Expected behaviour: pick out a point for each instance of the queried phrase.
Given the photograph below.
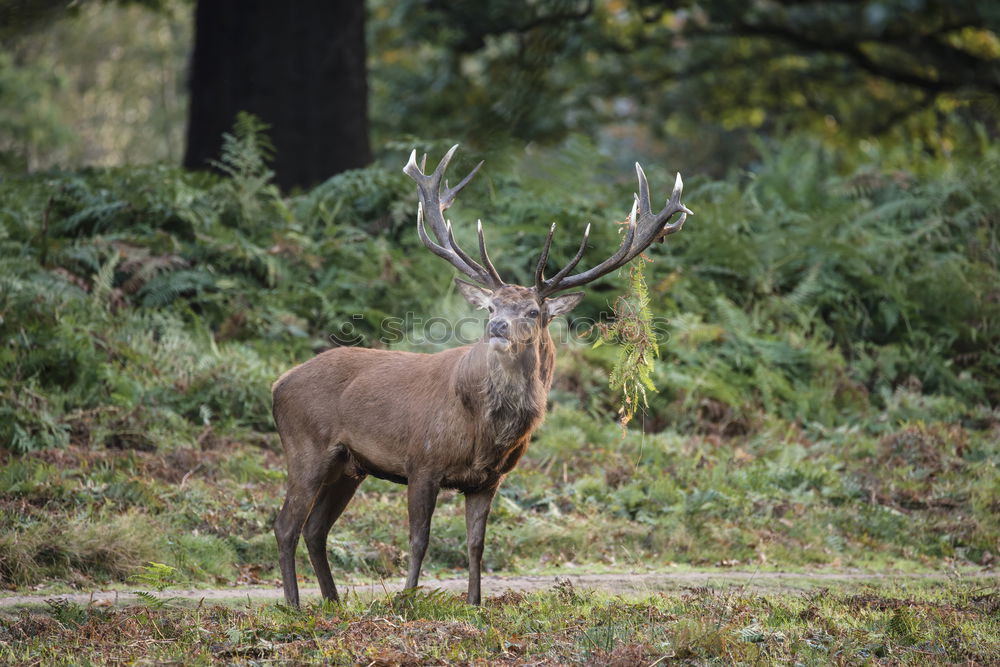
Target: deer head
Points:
(519, 314)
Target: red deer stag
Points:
(457, 419)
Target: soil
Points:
(625, 583)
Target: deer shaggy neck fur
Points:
(504, 393)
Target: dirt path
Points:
(622, 583)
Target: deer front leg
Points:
(421, 497)
(477, 510)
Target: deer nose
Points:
(499, 328)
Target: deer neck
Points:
(508, 390)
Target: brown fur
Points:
(459, 419)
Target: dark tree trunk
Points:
(299, 66)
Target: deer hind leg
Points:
(333, 498)
(286, 531)
(305, 486)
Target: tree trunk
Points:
(299, 66)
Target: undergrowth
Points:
(828, 343)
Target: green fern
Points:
(246, 152)
(104, 281)
(67, 612)
(632, 332)
(904, 625)
(166, 287)
(159, 576)
(149, 600)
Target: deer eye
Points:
(533, 313)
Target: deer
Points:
(458, 419)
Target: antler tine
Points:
(440, 251)
(543, 260)
(442, 166)
(482, 251)
(483, 276)
(449, 194)
(644, 228)
(433, 203)
(573, 262)
(412, 169)
(643, 198)
(675, 200)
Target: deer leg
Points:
(477, 510)
(421, 498)
(334, 497)
(307, 479)
(287, 527)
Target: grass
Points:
(944, 624)
(920, 497)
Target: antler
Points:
(644, 227)
(433, 203)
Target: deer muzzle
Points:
(499, 333)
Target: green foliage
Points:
(904, 626)
(844, 287)
(30, 122)
(632, 332)
(66, 612)
(825, 320)
(92, 83)
(155, 575)
(700, 80)
(248, 192)
(73, 550)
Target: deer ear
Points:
(562, 304)
(474, 294)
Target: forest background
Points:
(828, 322)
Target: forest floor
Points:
(691, 617)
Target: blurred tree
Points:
(643, 78)
(910, 69)
(92, 83)
(29, 123)
(866, 67)
(17, 16)
(502, 63)
(298, 66)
